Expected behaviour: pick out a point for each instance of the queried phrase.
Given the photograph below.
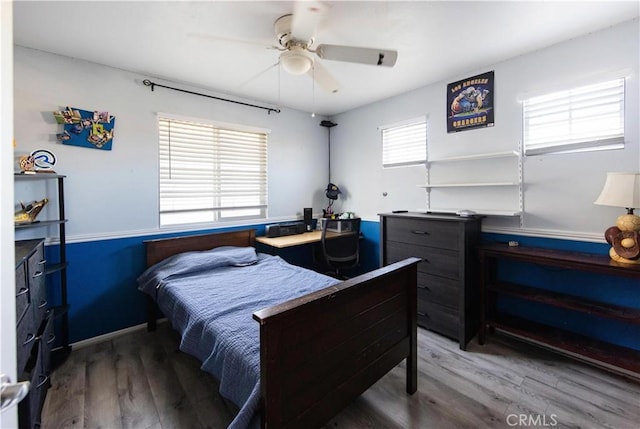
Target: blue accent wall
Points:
(101, 283)
(103, 295)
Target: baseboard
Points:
(111, 335)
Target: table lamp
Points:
(623, 190)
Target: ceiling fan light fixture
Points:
(296, 61)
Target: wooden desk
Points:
(616, 358)
(291, 240)
(297, 239)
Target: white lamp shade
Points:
(621, 190)
(296, 61)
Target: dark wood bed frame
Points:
(321, 351)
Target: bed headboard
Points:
(160, 249)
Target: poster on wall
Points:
(86, 129)
(470, 103)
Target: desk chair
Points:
(341, 252)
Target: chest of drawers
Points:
(34, 328)
(448, 293)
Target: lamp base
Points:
(628, 222)
(624, 239)
(615, 257)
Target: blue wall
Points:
(101, 278)
(103, 296)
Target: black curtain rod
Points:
(147, 82)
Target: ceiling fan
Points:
(295, 34)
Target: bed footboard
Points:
(320, 351)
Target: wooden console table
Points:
(613, 357)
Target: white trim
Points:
(82, 238)
(218, 124)
(111, 335)
(549, 233)
(530, 232)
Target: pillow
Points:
(192, 262)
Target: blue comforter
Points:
(210, 297)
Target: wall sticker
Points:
(85, 128)
(470, 103)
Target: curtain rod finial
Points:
(147, 82)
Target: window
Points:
(211, 173)
(586, 118)
(405, 143)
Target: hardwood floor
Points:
(141, 380)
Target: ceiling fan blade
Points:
(323, 78)
(307, 15)
(351, 54)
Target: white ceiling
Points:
(220, 45)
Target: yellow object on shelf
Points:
(29, 212)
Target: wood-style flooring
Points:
(141, 380)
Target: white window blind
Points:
(209, 173)
(586, 118)
(404, 144)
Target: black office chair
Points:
(341, 251)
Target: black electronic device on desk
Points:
(282, 229)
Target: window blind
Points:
(209, 173)
(404, 144)
(585, 118)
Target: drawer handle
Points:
(42, 262)
(44, 378)
(415, 231)
(22, 291)
(36, 274)
(30, 337)
(51, 339)
(43, 303)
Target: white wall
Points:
(8, 418)
(115, 193)
(559, 189)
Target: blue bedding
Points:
(209, 297)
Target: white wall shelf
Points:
(481, 212)
(493, 181)
(479, 156)
(466, 185)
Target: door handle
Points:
(415, 231)
(11, 393)
(30, 337)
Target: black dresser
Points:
(34, 325)
(448, 286)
